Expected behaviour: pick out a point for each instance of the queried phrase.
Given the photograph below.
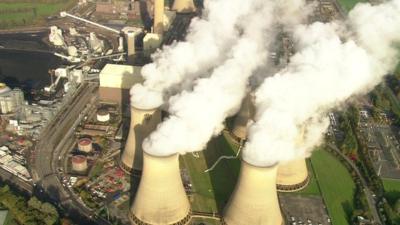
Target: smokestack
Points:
(161, 198)
(184, 6)
(254, 200)
(143, 122)
(292, 176)
(245, 114)
(158, 26)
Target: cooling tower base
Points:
(129, 170)
(294, 187)
(136, 221)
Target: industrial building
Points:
(161, 198)
(10, 100)
(143, 122)
(255, 197)
(116, 81)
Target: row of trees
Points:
(28, 212)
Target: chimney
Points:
(161, 198)
(158, 26)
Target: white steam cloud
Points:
(324, 73)
(207, 44)
(198, 115)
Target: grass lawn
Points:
(212, 189)
(32, 12)
(392, 190)
(336, 184)
(349, 4)
(312, 187)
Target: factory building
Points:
(143, 122)
(10, 100)
(161, 198)
(79, 163)
(242, 118)
(85, 145)
(116, 81)
(292, 176)
(255, 198)
(184, 6)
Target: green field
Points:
(336, 185)
(349, 4)
(392, 189)
(27, 13)
(212, 190)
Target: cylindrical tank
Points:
(245, 114)
(85, 145)
(292, 176)
(72, 51)
(184, 6)
(161, 198)
(254, 200)
(143, 122)
(158, 26)
(79, 163)
(130, 42)
(103, 115)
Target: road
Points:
(367, 191)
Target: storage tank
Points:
(85, 145)
(161, 198)
(143, 122)
(79, 163)
(292, 176)
(158, 26)
(243, 117)
(254, 200)
(184, 6)
(103, 115)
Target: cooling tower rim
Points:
(257, 166)
(160, 156)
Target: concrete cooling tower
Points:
(292, 176)
(158, 26)
(143, 122)
(245, 114)
(254, 200)
(184, 6)
(161, 198)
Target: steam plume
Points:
(198, 115)
(207, 44)
(324, 73)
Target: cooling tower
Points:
(143, 122)
(245, 114)
(184, 6)
(161, 198)
(292, 176)
(254, 200)
(158, 26)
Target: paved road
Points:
(367, 191)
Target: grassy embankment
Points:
(349, 4)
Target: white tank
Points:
(184, 6)
(72, 51)
(254, 200)
(158, 26)
(161, 198)
(143, 122)
(79, 163)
